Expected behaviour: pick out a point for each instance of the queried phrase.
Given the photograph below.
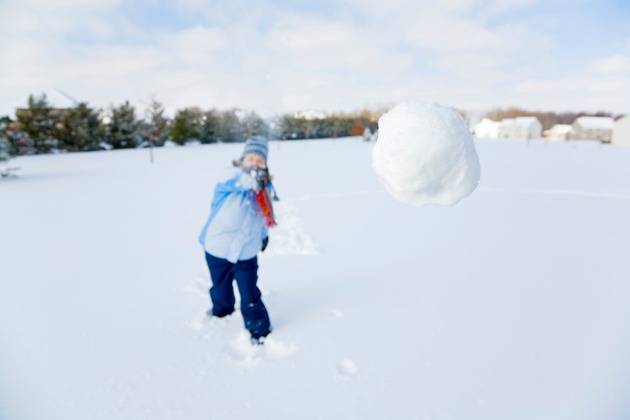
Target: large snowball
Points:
(425, 154)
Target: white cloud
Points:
(309, 37)
(195, 46)
(450, 37)
(270, 59)
(501, 6)
(611, 65)
(226, 13)
(578, 84)
(60, 7)
(39, 18)
(578, 93)
(402, 10)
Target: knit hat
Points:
(256, 145)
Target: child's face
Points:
(252, 159)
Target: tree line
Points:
(41, 128)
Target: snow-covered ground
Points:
(513, 304)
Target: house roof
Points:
(526, 121)
(602, 123)
(519, 121)
(560, 128)
(487, 122)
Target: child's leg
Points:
(252, 307)
(221, 292)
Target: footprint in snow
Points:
(200, 286)
(247, 355)
(205, 318)
(346, 369)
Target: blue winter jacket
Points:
(234, 230)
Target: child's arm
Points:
(222, 190)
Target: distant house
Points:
(621, 133)
(559, 132)
(594, 128)
(527, 128)
(506, 128)
(520, 128)
(487, 129)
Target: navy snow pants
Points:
(245, 273)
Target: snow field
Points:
(511, 304)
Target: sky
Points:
(283, 56)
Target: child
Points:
(235, 231)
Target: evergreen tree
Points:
(155, 128)
(210, 127)
(20, 142)
(291, 128)
(5, 144)
(252, 124)
(305, 126)
(187, 125)
(123, 132)
(327, 127)
(5, 148)
(82, 130)
(39, 121)
(345, 125)
(230, 130)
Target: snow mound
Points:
(244, 354)
(289, 237)
(425, 154)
